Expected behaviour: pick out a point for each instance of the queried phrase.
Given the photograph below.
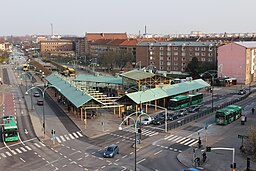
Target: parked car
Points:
(193, 108)
(147, 120)
(181, 112)
(242, 92)
(158, 120)
(111, 151)
(172, 116)
(36, 94)
(40, 102)
(190, 169)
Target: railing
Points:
(191, 117)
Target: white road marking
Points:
(66, 136)
(62, 138)
(141, 161)
(193, 143)
(158, 152)
(13, 152)
(3, 154)
(79, 133)
(42, 143)
(181, 139)
(23, 149)
(71, 136)
(27, 147)
(190, 141)
(75, 135)
(22, 159)
(185, 141)
(57, 138)
(8, 153)
(37, 145)
(172, 138)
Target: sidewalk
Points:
(220, 160)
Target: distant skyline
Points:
(28, 17)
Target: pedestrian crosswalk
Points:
(145, 132)
(67, 137)
(181, 140)
(21, 149)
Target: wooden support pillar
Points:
(164, 102)
(81, 112)
(146, 107)
(85, 118)
(155, 105)
(114, 110)
(136, 110)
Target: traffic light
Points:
(208, 149)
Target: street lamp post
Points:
(43, 94)
(135, 132)
(212, 75)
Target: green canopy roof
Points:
(74, 95)
(166, 91)
(99, 79)
(137, 74)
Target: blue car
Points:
(190, 169)
(111, 151)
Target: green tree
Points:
(123, 58)
(193, 68)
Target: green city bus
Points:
(195, 98)
(9, 129)
(228, 114)
(178, 102)
(182, 101)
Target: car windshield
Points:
(146, 119)
(110, 148)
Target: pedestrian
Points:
(204, 156)
(253, 110)
(199, 143)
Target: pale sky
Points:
(76, 17)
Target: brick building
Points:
(173, 57)
(92, 37)
(237, 60)
(57, 47)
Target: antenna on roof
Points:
(51, 29)
(145, 30)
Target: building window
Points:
(168, 58)
(183, 64)
(175, 63)
(190, 54)
(168, 63)
(161, 68)
(161, 48)
(150, 57)
(209, 54)
(183, 48)
(151, 53)
(168, 48)
(183, 59)
(161, 63)
(190, 59)
(183, 54)
(161, 53)
(203, 53)
(175, 68)
(210, 48)
(203, 49)
(210, 59)
(175, 58)
(202, 59)
(196, 48)
(168, 53)
(175, 48)
(196, 53)
(182, 69)
(190, 49)
(176, 53)
(161, 58)
(168, 68)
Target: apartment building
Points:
(57, 47)
(237, 60)
(173, 57)
(92, 37)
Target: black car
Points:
(172, 116)
(193, 108)
(159, 120)
(242, 92)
